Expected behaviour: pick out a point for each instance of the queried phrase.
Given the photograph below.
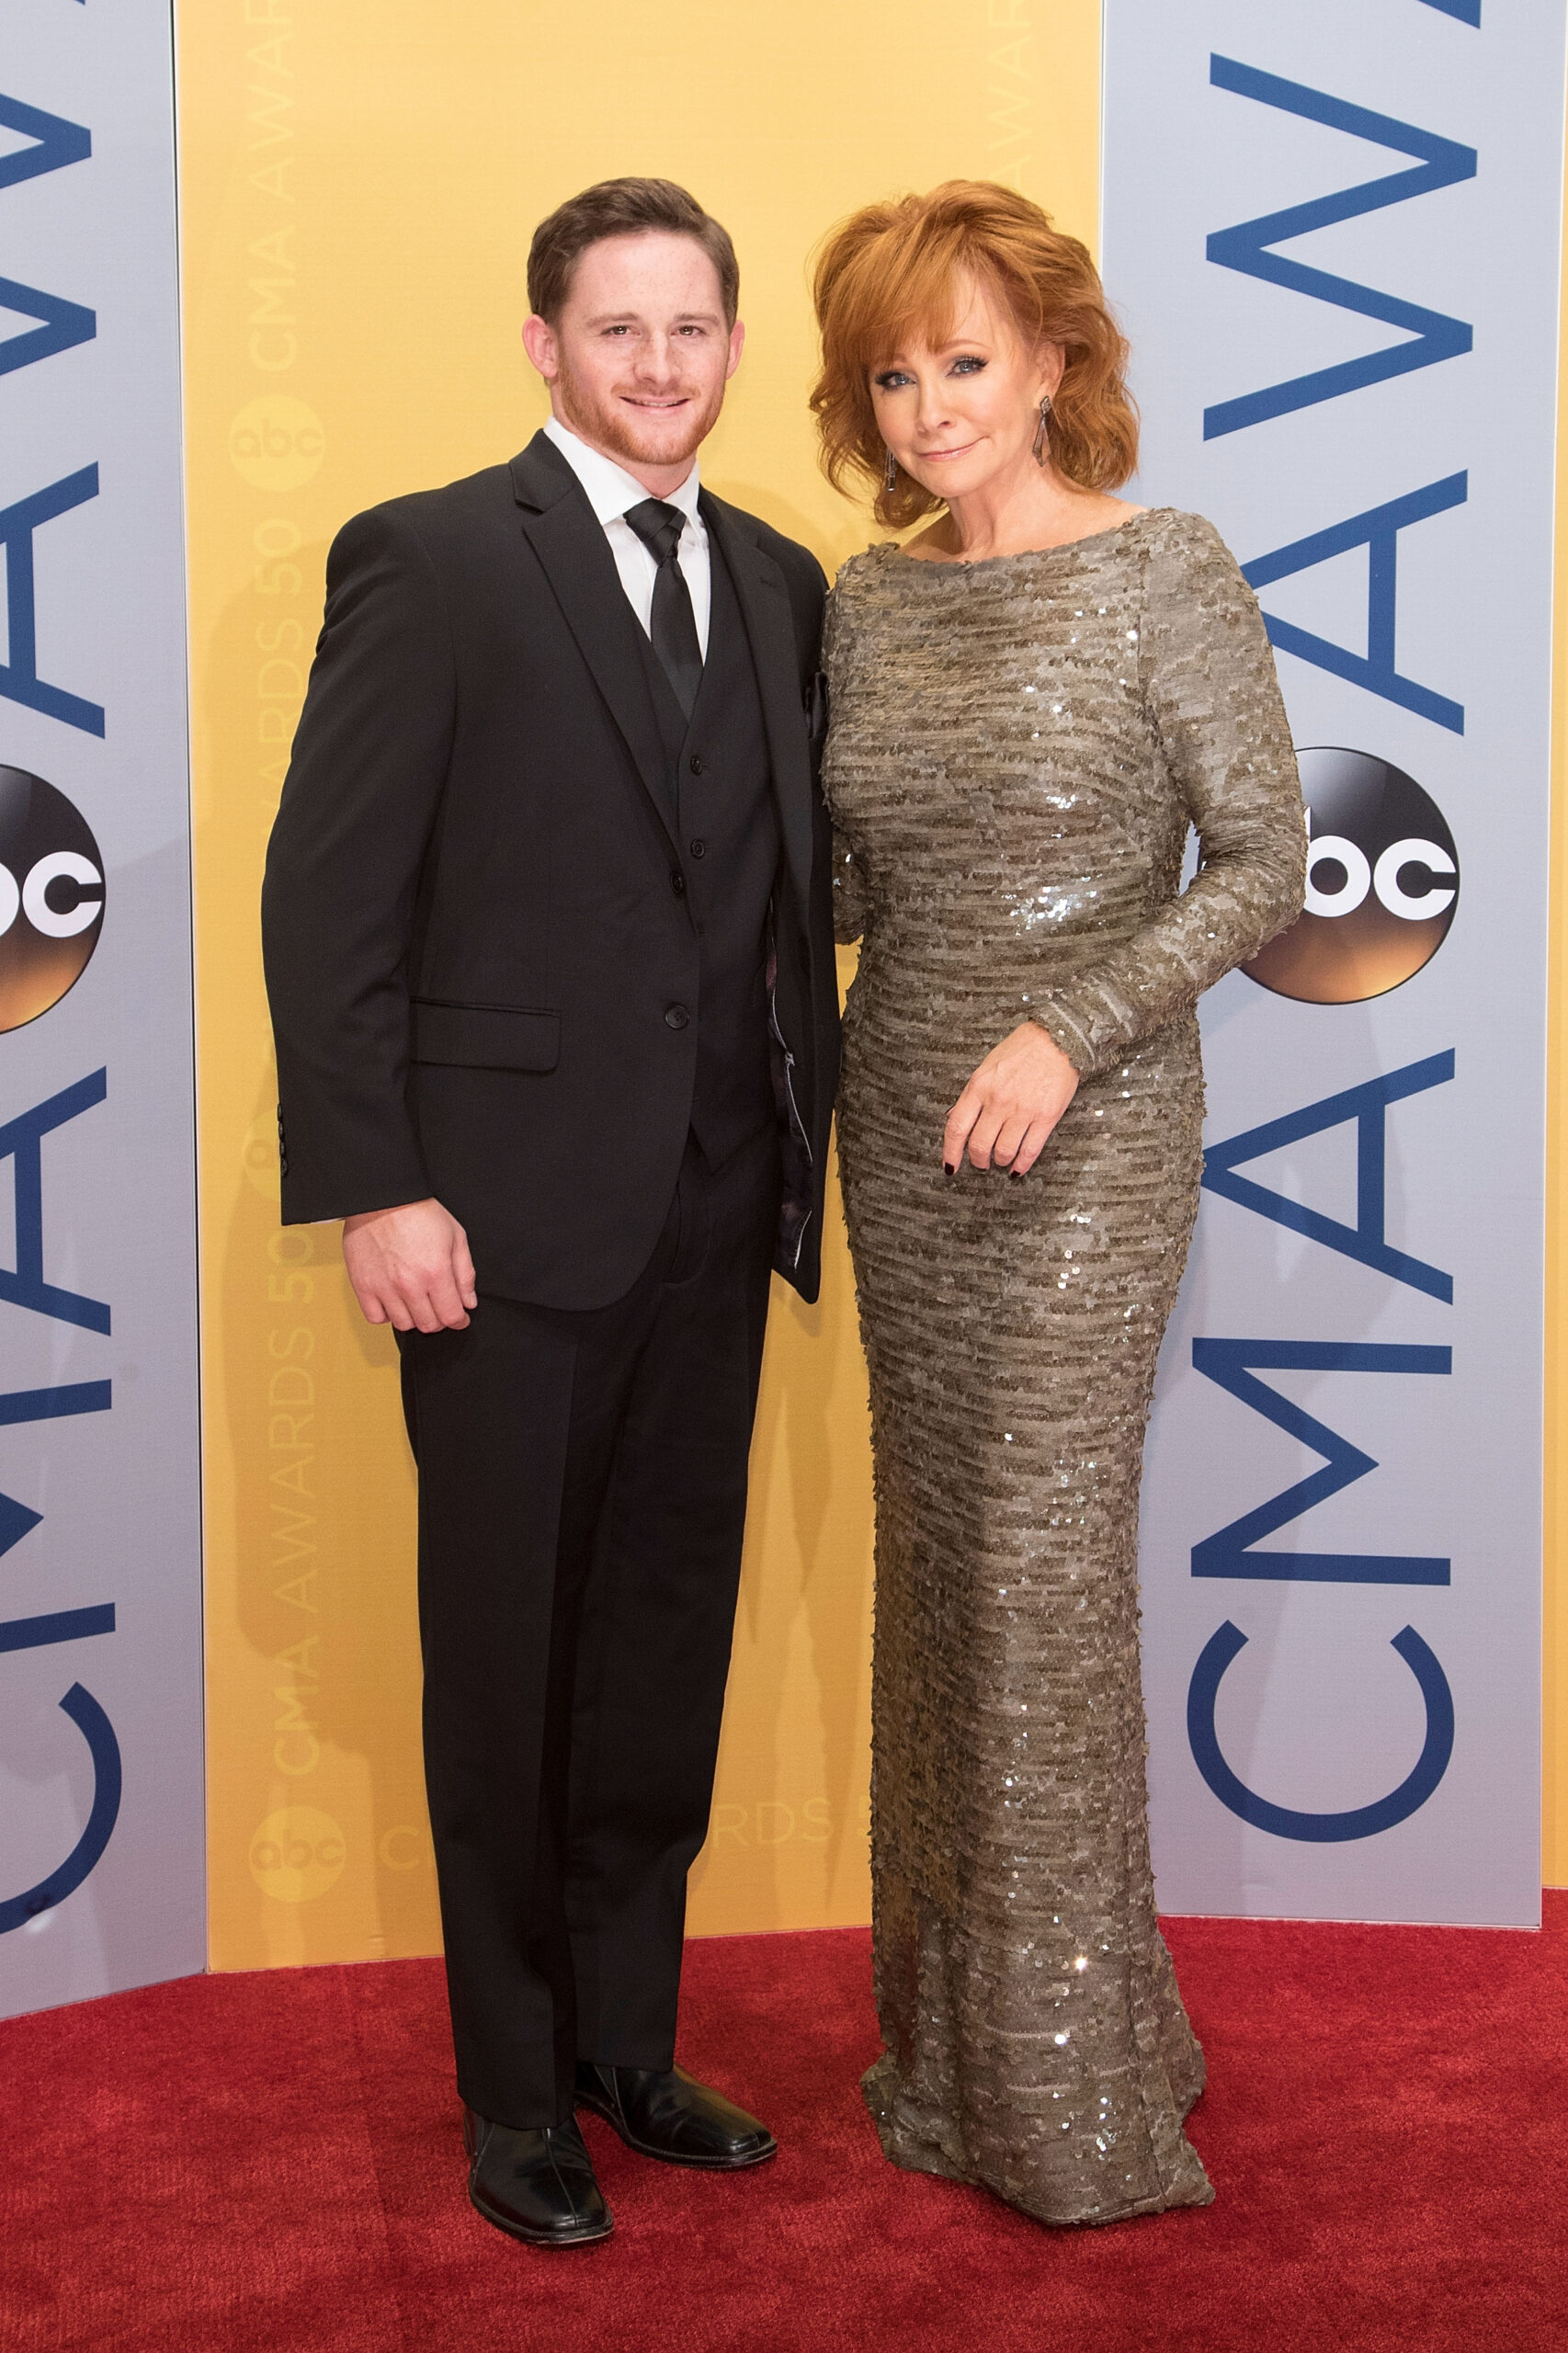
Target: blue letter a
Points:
(1366, 1105)
(1378, 532)
(18, 675)
(21, 1140)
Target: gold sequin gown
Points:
(1016, 749)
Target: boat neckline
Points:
(1021, 555)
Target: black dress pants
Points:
(582, 1503)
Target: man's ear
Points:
(540, 343)
(737, 344)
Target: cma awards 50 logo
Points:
(1382, 884)
(52, 896)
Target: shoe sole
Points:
(515, 2229)
(672, 2156)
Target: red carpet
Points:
(271, 2165)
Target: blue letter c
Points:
(98, 1732)
(1360, 1822)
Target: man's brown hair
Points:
(623, 209)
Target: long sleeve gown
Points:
(1017, 749)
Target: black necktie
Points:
(673, 629)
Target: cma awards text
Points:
(51, 904)
(1383, 894)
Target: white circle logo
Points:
(1382, 883)
(52, 896)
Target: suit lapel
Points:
(569, 541)
(765, 608)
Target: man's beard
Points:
(613, 428)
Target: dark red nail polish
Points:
(947, 1168)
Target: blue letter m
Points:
(1225, 1553)
(1248, 248)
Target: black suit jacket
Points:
(482, 965)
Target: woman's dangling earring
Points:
(1040, 448)
(890, 479)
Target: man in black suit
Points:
(549, 955)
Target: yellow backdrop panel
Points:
(1554, 1815)
(360, 180)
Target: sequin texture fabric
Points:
(1018, 748)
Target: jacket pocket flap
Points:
(486, 1037)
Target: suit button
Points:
(678, 882)
(675, 1016)
(697, 767)
(700, 850)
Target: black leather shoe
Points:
(536, 2185)
(664, 2112)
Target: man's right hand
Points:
(410, 1267)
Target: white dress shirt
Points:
(612, 490)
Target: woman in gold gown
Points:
(1031, 702)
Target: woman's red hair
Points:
(893, 272)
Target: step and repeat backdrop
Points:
(359, 185)
(1335, 236)
(1344, 308)
(101, 1860)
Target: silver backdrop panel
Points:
(101, 1764)
(1333, 238)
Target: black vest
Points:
(721, 810)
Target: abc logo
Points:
(276, 442)
(52, 896)
(297, 1852)
(1381, 886)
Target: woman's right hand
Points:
(1005, 1114)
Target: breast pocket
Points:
(485, 1036)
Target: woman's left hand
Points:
(1006, 1112)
